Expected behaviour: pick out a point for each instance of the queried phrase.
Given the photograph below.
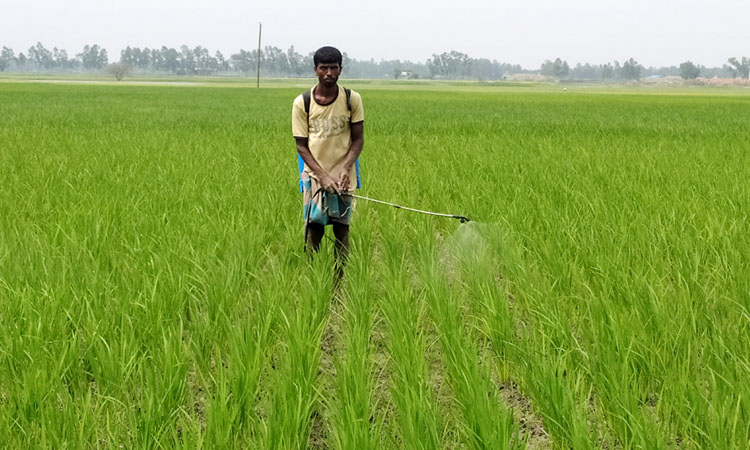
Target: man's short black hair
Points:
(327, 55)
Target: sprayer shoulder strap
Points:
(307, 98)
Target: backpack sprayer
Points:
(463, 219)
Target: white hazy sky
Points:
(654, 32)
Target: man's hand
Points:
(328, 183)
(343, 182)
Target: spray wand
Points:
(463, 219)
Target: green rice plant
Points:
(293, 386)
(416, 415)
(486, 424)
(354, 421)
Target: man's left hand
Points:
(342, 181)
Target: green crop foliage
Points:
(154, 290)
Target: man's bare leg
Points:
(315, 234)
(340, 251)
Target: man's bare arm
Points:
(326, 181)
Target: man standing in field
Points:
(328, 125)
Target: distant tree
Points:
(275, 61)
(21, 61)
(93, 57)
(169, 59)
(296, 66)
(560, 68)
(119, 70)
(127, 56)
(308, 64)
(60, 58)
(506, 68)
(584, 72)
(221, 63)
(365, 68)
(557, 68)
(41, 56)
(157, 60)
(204, 62)
(6, 57)
(689, 71)
(32, 52)
(436, 66)
(498, 69)
(617, 69)
(740, 68)
(608, 71)
(481, 69)
(671, 71)
(450, 65)
(459, 64)
(142, 58)
(631, 70)
(244, 61)
(89, 57)
(186, 61)
(547, 68)
(136, 58)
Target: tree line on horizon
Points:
(275, 62)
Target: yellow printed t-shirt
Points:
(329, 134)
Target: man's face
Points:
(328, 73)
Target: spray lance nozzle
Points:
(462, 219)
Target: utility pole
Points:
(260, 29)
